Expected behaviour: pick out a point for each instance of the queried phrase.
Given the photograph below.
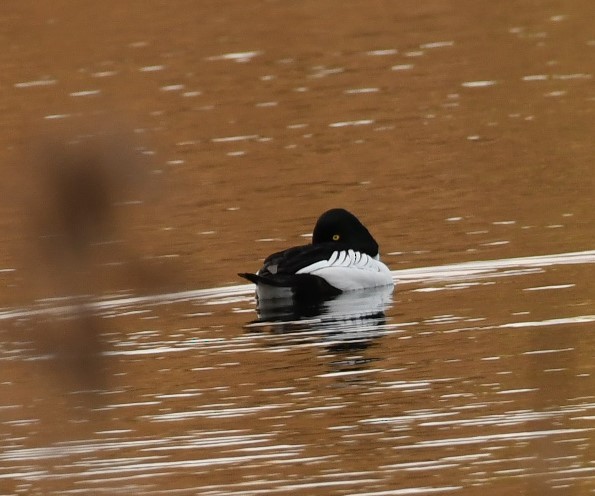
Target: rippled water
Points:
(435, 388)
(462, 135)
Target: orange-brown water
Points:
(457, 132)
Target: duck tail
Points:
(250, 277)
(271, 281)
(303, 285)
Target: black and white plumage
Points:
(343, 256)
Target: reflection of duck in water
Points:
(351, 320)
(342, 257)
(349, 307)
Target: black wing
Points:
(280, 269)
(293, 259)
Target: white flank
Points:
(350, 270)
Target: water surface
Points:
(435, 388)
(461, 133)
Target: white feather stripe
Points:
(358, 257)
(332, 258)
(350, 270)
(352, 258)
(349, 258)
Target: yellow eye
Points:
(336, 237)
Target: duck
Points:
(343, 256)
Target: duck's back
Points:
(324, 269)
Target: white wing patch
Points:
(350, 270)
